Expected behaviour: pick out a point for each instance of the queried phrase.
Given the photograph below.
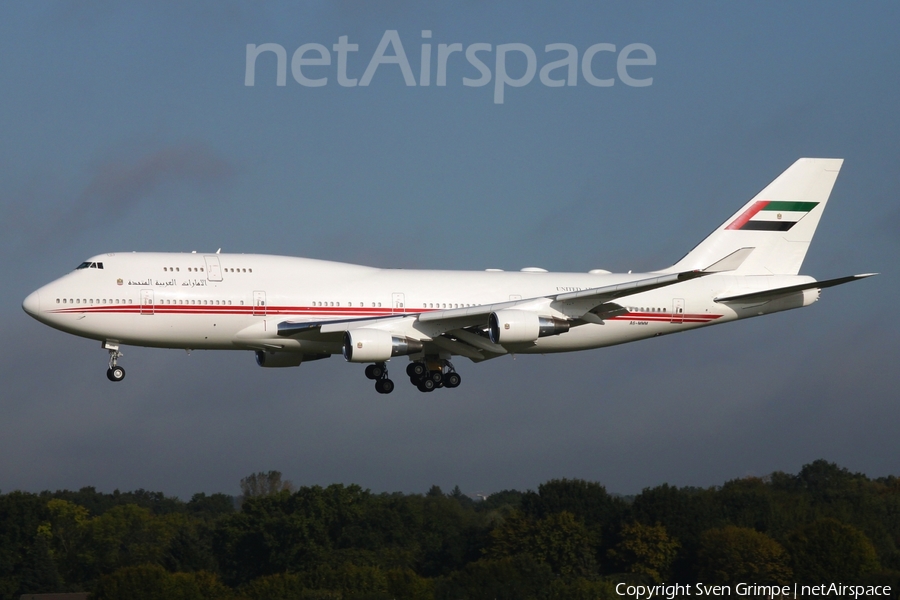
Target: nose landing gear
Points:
(114, 372)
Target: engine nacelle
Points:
(285, 359)
(520, 326)
(376, 345)
(278, 359)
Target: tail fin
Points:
(778, 223)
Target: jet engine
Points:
(517, 326)
(376, 345)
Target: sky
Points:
(131, 127)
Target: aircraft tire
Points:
(375, 371)
(384, 386)
(115, 374)
(426, 385)
(452, 380)
(416, 369)
(436, 376)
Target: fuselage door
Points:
(398, 303)
(213, 268)
(259, 303)
(678, 310)
(146, 302)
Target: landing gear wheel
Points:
(452, 380)
(375, 371)
(415, 370)
(115, 373)
(426, 385)
(384, 386)
(436, 376)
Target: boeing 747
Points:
(292, 310)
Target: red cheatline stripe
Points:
(238, 310)
(333, 312)
(667, 317)
(748, 214)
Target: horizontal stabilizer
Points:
(767, 295)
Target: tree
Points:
(512, 578)
(264, 484)
(828, 550)
(731, 555)
(152, 582)
(645, 549)
(39, 573)
(560, 541)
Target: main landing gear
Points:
(114, 372)
(429, 375)
(379, 373)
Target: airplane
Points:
(292, 310)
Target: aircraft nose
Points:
(32, 304)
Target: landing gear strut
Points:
(379, 373)
(428, 375)
(114, 372)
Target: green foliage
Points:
(645, 549)
(732, 555)
(519, 577)
(264, 484)
(582, 589)
(570, 539)
(152, 582)
(827, 549)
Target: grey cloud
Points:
(116, 187)
(114, 190)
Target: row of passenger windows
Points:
(647, 309)
(399, 305)
(160, 302)
(446, 305)
(350, 304)
(199, 302)
(193, 269)
(93, 301)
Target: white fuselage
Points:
(236, 301)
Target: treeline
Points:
(569, 540)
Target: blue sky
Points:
(129, 127)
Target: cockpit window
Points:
(90, 265)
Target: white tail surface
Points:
(778, 223)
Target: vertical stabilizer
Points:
(778, 223)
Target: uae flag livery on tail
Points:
(769, 215)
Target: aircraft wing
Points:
(767, 295)
(582, 301)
